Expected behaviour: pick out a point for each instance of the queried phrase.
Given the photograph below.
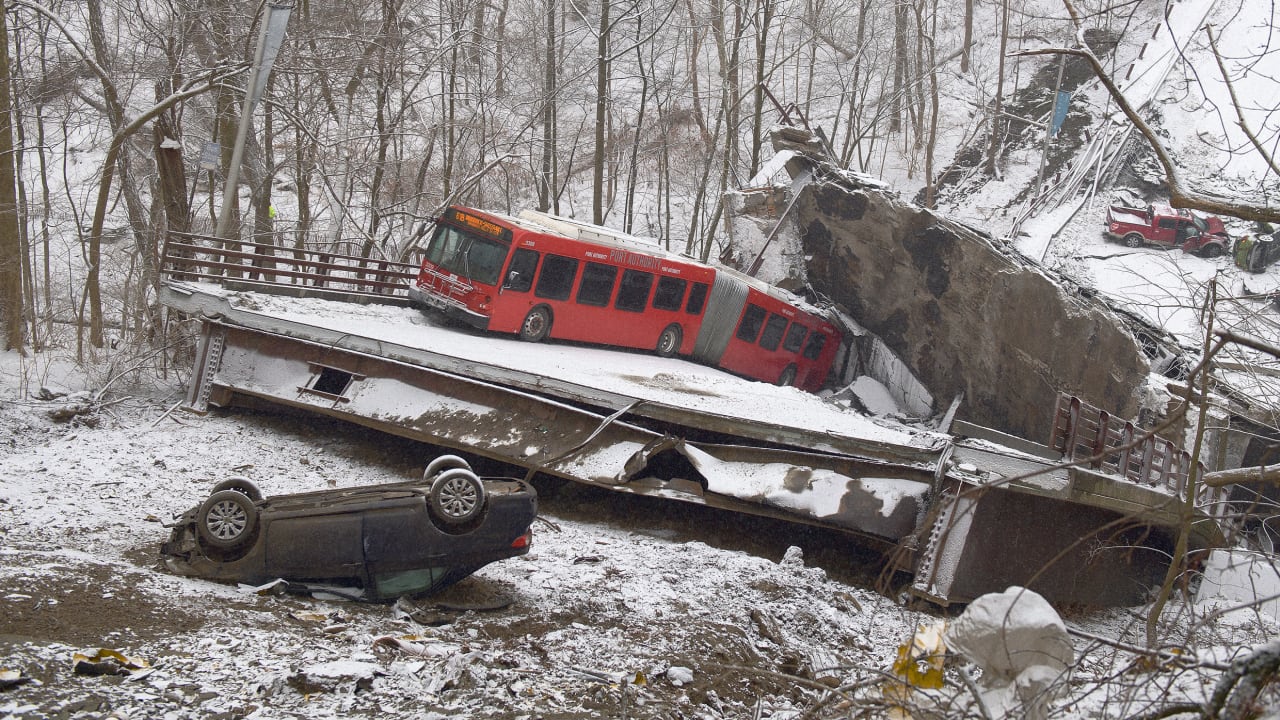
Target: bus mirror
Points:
(511, 279)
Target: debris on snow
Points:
(105, 661)
(793, 558)
(920, 660)
(679, 675)
(1022, 647)
(10, 678)
(1240, 579)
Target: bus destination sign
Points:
(479, 224)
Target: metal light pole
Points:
(272, 35)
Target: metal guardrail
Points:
(1117, 446)
(203, 258)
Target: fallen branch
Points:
(1239, 687)
(1262, 473)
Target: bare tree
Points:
(12, 255)
(995, 124)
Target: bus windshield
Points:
(470, 256)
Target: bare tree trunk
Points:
(546, 187)
(1187, 509)
(499, 52)
(171, 173)
(637, 138)
(728, 44)
(695, 47)
(450, 115)
(993, 147)
(11, 255)
(764, 18)
(694, 238)
(263, 209)
(901, 17)
(16, 113)
(966, 53)
(852, 138)
(133, 203)
(46, 195)
(930, 188)
(916, 79)
(602, 102)
(304, 155)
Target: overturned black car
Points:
(373, 543)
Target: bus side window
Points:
(697, 298)
(520, 274)
(597, 284)
(670, 293)
(814, 348)
(795, 338)
(752, 319)
(773, 332)
(556, 279)
(633, 295)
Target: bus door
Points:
(536, 279)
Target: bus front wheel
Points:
(537, 325)
(669, 341)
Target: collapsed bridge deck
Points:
(636, 423)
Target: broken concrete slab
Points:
(965, 314)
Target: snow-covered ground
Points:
(626, 607)
(615, 587)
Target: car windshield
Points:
(1201, 225)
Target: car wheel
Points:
(239, 484)
(669, 341)
(788, 376)
(1211, 251)
(457, 496)
(1133, 240)
(227, 520)
(442, 463)
(537, 325)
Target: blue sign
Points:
(210, 156)
(1060, 111)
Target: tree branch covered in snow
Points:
(1180, 193)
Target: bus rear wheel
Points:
(669, 341)
(788, 376)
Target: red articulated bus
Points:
(541, 276)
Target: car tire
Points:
(1211, 251)
(239, 484)
(669, 341)
(1133, 240)
(228, 520)
(457, 497)
(788, 376)
(442, 463)
(537, 325)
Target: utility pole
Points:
(1049, 127)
